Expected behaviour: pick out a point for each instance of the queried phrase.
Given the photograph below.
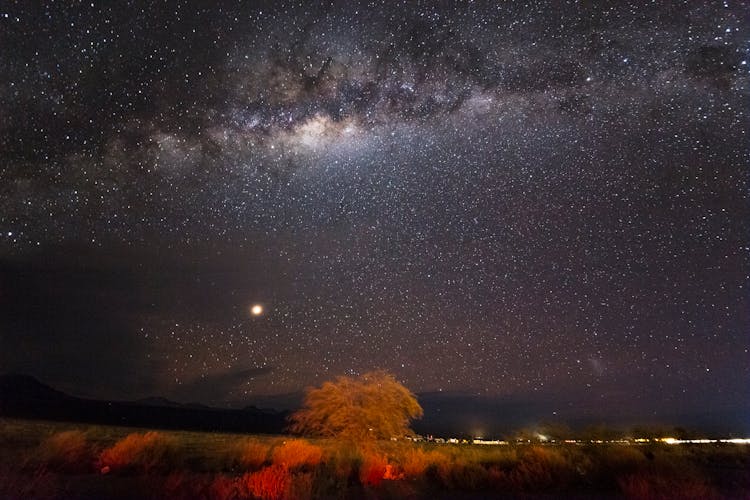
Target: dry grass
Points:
(373, 469)
(414, 462)
(248, 454)
(341, 461)
(654, 486)
(28, 482)
(224, 487)
(298, 454)
(67, 451)
(141, 453)
(301, 486)
(269, 483)
(542, 469)
(44, 460)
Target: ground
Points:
(40, 459)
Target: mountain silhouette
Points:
(16, 386)
(26, 397)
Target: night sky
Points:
(545, 203)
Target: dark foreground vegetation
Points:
(58, 460)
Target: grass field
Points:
(41, 459)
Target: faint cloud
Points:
(218, 387)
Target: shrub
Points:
(542, 469)
(269, 483)
(297, 453)
(626, 458)
(414, 461)
(141, 452)
(461, 474)
(300, 487)
(68, 451)
(224, 488)
(653, 485)
(38, 483)
(183, 485)
(504, 457)
(373, 468)
(470, 476)
(249, 454)
(392, 473)
(339, 469)
(605, 463)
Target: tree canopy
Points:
(372, 406)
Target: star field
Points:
(493, 199)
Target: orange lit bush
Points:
(140, 452)
(297, 453)
(269, 483)
(373, 469)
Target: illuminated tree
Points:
(372, 406)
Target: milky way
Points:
(502, 200)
